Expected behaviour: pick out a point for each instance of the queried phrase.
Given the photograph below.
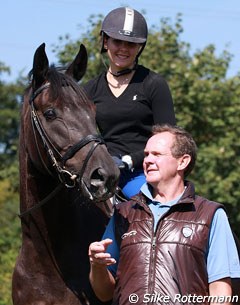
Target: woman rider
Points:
(129, 97)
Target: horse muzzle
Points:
(100, 186)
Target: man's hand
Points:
(101, 279)
(97, 253)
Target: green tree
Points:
(207, 104)
(9, 182)
(10, 236)
(206, 101)
(67, 49)
(10, 97)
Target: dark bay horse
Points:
(66, 179)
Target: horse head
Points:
(59, 129)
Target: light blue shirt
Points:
(222, 257)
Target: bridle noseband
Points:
(65, 176)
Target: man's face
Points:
(159, 165)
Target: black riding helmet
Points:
(126, 24)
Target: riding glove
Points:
(123, 163)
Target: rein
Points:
(67, 178)
(42, 202)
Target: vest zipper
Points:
(152, 259)
(152, 266)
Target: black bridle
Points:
(66, 177)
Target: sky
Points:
(25, 24)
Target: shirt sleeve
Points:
(113, 248)
(161, 100)
(222, 257)
(159, 96)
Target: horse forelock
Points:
(57, 78)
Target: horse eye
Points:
(50, 114)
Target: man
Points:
(167, 245)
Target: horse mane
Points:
(58, 79)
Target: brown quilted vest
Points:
(160, 267)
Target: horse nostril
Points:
(101, 183)
(97, 178)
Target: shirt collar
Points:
(146, 189)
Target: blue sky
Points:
(25, 24)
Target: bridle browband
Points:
(66, 177)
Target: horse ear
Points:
(40, 66)
(79, 66)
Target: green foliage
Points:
(10, 96)
(9, 238)
(67, 49)
(206, 103)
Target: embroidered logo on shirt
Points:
(134, 97)
(187, 232)
(131, 233)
